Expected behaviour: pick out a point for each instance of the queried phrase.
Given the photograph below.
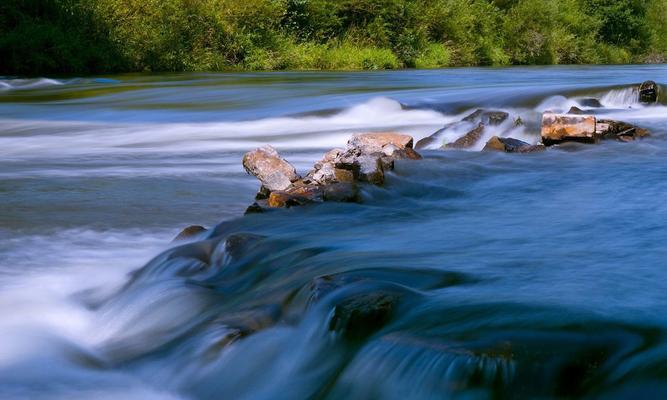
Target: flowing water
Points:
(468, 275)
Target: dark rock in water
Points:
(518, 122)
(487, 117)
(576, 110)
(590, 102)
(189, 233)
(510, 145)
(648, 92)
(263, 193)
(557, 128)
(474, 116)
(256, 208)
(494, 117)
(273, 171)
(359, 316)
(234, 248)
(343, 192)
(469, 139)
(619, 130)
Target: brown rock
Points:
(369, 143)
(469, 139)
(370, 169)
(273, 171)
(558, 127)
(511, 145)
(492, 118)
(190, 232)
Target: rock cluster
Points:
(558, 128)
(334, 178)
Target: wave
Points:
(78, 138)
(23, 84)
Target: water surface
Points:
(508, 276)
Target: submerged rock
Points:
(511, 145)
(273, 171)
(190, 232)
(557, 128)
(359, 316)
(590, 102)
(648, 92)
(491, 118)
(468, 140)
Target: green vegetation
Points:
(81, 36)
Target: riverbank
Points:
(79, 37)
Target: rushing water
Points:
(469, 275)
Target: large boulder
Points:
(469, 139)
(557, 128)
(648, 92)
(273, 171)
(511, 145)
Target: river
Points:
(507, 275)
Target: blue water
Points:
(470, 274)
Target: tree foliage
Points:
(87, 36)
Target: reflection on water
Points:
(469, 275)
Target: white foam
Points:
(23, 84)
(78, 138)
(621, 98)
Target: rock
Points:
(518, 121)
(399, 154)
(590, 102)
(469, 139)
(557, 128)
(494, 117)
(474, 116)
(648, 92)
(622, 131)
(266, 165)
(370, 169)
(189, 233)
(359, 316)
(510, 145)
(487, 117)
(263, 193)
(368, 143)
(576, 111)
(296, 196)
(341, 192)
(256, 208)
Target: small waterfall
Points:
(621, 98)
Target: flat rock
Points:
(369, 143)
(273, 171)
(557, 128)
(511, 145)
